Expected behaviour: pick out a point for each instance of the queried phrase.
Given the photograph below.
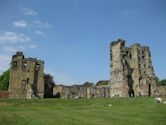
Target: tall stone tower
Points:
(26, 77)
(132, 72)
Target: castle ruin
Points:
(26, 77)
(132, 72)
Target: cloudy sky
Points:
(73, 36)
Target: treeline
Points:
(161, 82)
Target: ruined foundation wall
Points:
(80, 91)
(161, 90)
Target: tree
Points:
(102, 82)
(88, 84)
(48, 86)
(160, 82)
(157, 80)
(163, 82)
(4, 80)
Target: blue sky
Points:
(73, 36)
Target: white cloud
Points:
(15, 48)
(40, 24)
(29, 11)
(20, 24)
(39, 33)
(5, 59)
(4, 62)
(32, 46)
(12, 42)
(35, 24)
(13, 37)
(10, 49)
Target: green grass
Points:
(124, 111)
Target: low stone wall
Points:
(80, 91)
(161, 90)
(4, 94)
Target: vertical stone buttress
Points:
(119, 83)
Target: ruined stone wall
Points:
(26, 77)
(143, 74)
(39, 77)
(102, 91)
(161, 91)
(75, 91)
(131, 70)
(63, 90)
(81, 91)
(119, 84)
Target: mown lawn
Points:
(124, 111)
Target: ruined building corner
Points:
(131, 72)
(26, 77)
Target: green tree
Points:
(48, 86)
(88, 84)
(4, 80)
(158, 81)
(163, 82)
(102, 82)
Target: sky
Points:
(73, 36)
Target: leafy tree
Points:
(163, 82)
(102, 82)
(88, 84)
(48, 86)
(160, 82)
(157, 80)
(4, 80)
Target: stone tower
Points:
(132, 72)
(26, 77)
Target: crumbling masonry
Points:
(26, 77)
(132, 72)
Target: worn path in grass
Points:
(124, 111)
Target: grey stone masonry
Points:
(132, 72)
(26, 77)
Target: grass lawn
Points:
(124, 111)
